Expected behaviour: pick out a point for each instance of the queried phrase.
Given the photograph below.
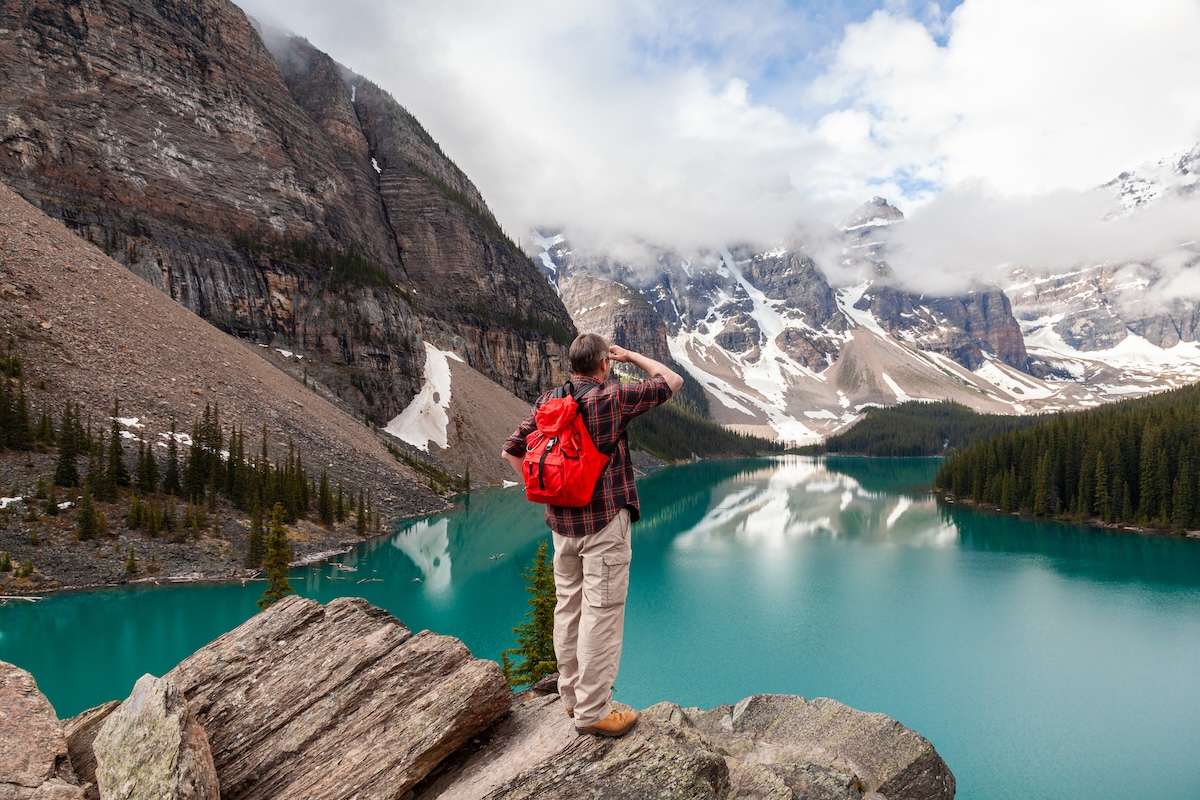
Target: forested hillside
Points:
(1135, 462)
(919, 429)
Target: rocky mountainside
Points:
(87, 330)
(270, 190)
(344, 701)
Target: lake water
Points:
(1042, 660)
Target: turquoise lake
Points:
(1042, 660)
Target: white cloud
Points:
(694, 123)
(972, 233)
(1028, 95)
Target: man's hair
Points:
(587, 351)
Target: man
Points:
(591, 544)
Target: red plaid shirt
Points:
(606, 413)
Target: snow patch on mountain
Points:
(425, 420)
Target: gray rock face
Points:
(616, 312)
(767, 746)
(152, 748)
(961, 327)
(81, 731)
(336, 701)
(33, 751)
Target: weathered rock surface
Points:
(335, 701)
(343, 701)
(34, 764)
(767, 746)
(791, 736)
(81, 731)
(152, 748)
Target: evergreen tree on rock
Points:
(535, 636)
(277, 560)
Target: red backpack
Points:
(561, 464)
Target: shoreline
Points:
(324, 551)
(1093, 522)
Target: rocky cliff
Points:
(344, 701)
(616, 312)
(280, 197)
(963, 327)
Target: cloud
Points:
(1026, 94)
(973, 233)
(697, 123)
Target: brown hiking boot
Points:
(618, 723)
(571, 713)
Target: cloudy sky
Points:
(693, 122)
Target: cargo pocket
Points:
(614, 584)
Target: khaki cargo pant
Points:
(591, 575)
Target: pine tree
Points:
(170, 481)
(20, 432)
(255, 550)
(535, 636)
(131, 564)
(87, 523)
(45, 429)
(1183, 501)
(118, 474)
(52, 500)
(136, 510)
(152, 518)
(276, 562)
(360, 515)
(65, 471)
(1103, 504)
(195, 476)
(325, 507)
(340, 505)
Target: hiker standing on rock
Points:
(591, 542)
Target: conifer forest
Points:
(1131, 463)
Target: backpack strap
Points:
(579, 394)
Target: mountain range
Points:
(785, 353)
(294, 204)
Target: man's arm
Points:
(514, 446)
(514, 461)
(648, 365)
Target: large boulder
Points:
(34, 764)
(790, 735)
(767, 746)
(152, 748)
(81, 731)
(335, 701)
